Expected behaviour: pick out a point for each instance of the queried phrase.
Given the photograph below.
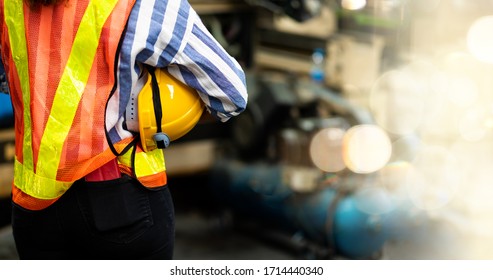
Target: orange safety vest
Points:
(60, 80)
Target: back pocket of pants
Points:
(117, 211)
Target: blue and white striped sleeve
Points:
(202, 63)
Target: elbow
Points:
(233, 103)
(223, 116)
(242, 102)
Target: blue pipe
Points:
(326, 216)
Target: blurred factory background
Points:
(368, 135)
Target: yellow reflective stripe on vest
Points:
(37, 184)
(145, 163)
(71, 86)
(43, 184)
(14, 18)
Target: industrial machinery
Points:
(299, 10)
(277, 192)
(327, 222)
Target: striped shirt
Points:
(169, 33)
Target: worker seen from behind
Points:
(84, 188)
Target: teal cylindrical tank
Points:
(336, 219)
(325, 216)
(358, 234)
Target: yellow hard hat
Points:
(167, 110)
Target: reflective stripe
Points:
(39, 187)
(14, 18)
(71, 86)
(145, 164)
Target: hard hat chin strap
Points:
(161, 138)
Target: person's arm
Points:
(207, 67)
(193, 56)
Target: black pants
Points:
(117, 219)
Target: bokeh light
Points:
(353, 4)
(465, 6)
(434, 178)
(391, 176)
(463, 91)
(425, 6)
(476, 165)
(480, 39)
(366, 148)
(397, 103)
(475, 124)
(326, 149)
